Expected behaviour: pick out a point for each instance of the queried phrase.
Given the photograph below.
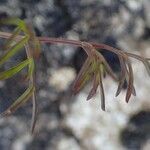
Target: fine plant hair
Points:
(94, 68)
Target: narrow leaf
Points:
(82, 76)
(133, 91)
(12, 38)
(130, 82)
(11, 21)
(31, 67)
(11, 72)
(94, 88)
(20, 101)
(34, 44)
(102, 90)
(34, 112)
(14, 50)
(122, 76)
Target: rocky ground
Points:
(71, 123)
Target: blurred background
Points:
(67, 122)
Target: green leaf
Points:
(9, 73)
(14, 50)
(11, 39)
(34, 44)
(14, 21)
(10, 21)
(20, 101)
(31, 67)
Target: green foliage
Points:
(14, 70)
(13, 45)
(94, 68)
(20, 101)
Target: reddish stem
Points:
(79, 43)
(72, 42)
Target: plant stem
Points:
(50, 40)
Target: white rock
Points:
(61, 78)
(100, 130)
